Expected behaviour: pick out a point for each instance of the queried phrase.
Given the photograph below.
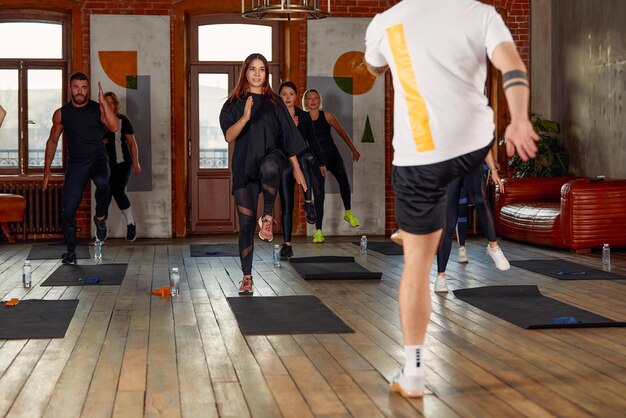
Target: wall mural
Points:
(121, 68)
(336, 68)
(130, 64)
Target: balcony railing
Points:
(36, 158)
(209, 158)
(213, 157)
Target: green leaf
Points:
(552, 158)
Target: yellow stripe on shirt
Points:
(418, 115)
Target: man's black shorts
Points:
(421, 191)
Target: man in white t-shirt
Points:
(437, 53)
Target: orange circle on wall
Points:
(351, 75)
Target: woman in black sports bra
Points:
(322, 122)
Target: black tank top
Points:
(83, 131)
(322, 132)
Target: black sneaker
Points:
(309, 209)
(286, 252)
(101, 228)
(69, 257)
(131, 232)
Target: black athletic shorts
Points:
(421, 191)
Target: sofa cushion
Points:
(537, 222)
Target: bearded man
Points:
(84, 123)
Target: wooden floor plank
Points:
(196, 393)
(348, 392)
(288, 397)
(162, 389)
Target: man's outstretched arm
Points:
(51, 146)
(520, 136)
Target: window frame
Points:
(197, 21)
(22, 65)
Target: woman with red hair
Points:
(256, 120)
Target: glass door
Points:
(218, 46)
(213, 209)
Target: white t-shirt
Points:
(437, 53)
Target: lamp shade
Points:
(285, 10)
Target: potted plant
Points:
(552, 158)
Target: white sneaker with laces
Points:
(498, 257)
(441, 285)
(462, 258)
(408, 386)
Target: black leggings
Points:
(77, 174)
(247, 198)
(334, 164)
(313, 178)
(477, 193)
(120, 173)
(461, 220)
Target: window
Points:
(219, 46)
(33, 78)
(243, 40)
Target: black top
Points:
(322, 132)
(305, 126)
(117, 141)
(83, 131)
(270, 130)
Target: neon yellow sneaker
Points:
(351, 219)
(318, 236)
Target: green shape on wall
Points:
(368, 135)
(344, 83)
(131, 82)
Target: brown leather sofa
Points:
(564, 212)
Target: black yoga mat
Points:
(55, 251)
(214, 250)
(526, 307)
(36, 318)
(285, 315)
(332, 268)
(70, 274)
(383, 247)
(565, 270)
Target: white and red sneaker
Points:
(266, 231)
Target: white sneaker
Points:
(462, 258)
(498, 257)
(440, 284)
(397, 237)
(408, 386)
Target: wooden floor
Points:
(130, 354)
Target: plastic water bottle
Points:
(606, 256)
(276, 255)
(175, 281)
(97, 249)
(27, 274)
(363, 245)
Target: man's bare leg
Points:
(414, 293)
(415, 308)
